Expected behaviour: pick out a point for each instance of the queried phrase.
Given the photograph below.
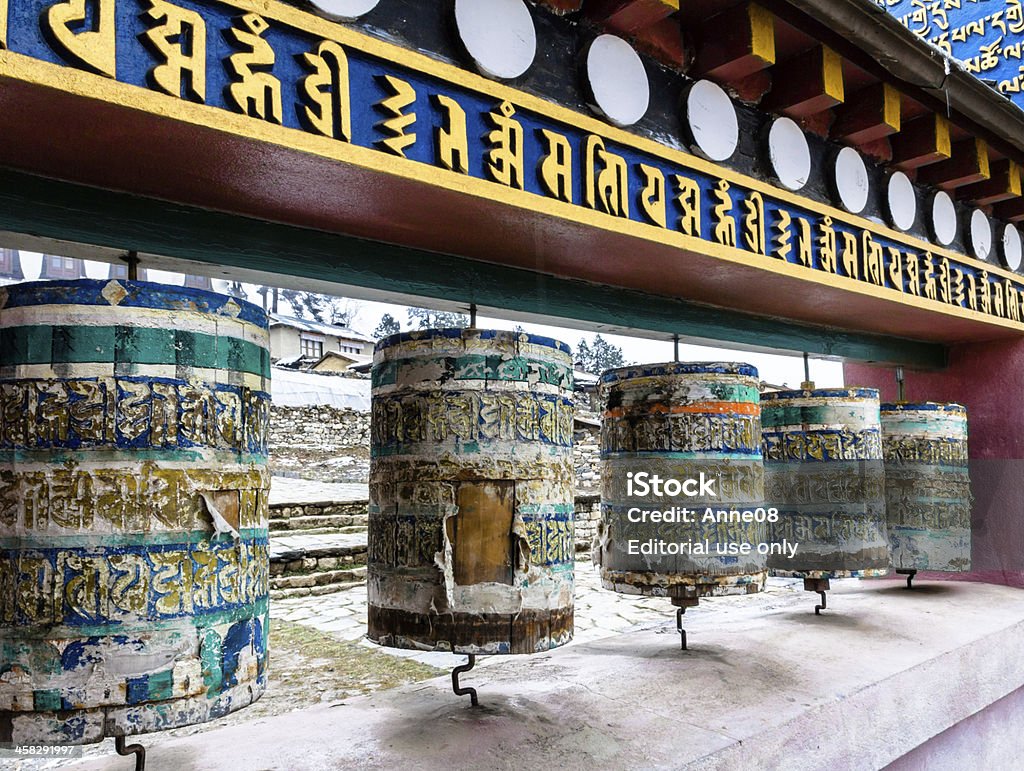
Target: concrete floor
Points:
(766, 684)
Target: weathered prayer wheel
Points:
(133, 508)
(684, 422)
(927, 486)
(823, 472)
(471, 492)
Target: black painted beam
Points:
(50, 209)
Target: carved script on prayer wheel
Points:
(823, 471)
(471, 492)
(133, 508)
(927, 487)
(681, 421)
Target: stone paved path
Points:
(598, 613)
(296, 546)
(287, 490)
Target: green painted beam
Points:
(52, 209)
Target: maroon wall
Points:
(988, 378)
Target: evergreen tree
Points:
(425, 318)
(598, 356)
(388, 326)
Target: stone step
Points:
(316, 591)
(320, 578)
(320, 530)
(337, 522)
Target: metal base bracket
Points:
(131, 749)
(819, 585)
(460, 691)
(909, 573)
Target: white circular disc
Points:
(617, 80)
(981, 235)
(711, 117)
(1011, 248)
(498, 34)
(851, 178)
(902, 201)
(789, 153)
(346, 9)
(943, 218)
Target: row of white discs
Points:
(500, 37)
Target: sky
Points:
(775, 369)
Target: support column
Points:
(988, 378)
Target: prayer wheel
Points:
(927, 487)
(471, 492)
(823, 472)
(688, 423)
(133, 508)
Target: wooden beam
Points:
(1011, 211)
(1004, 184)
(735, 43)
(59, 210)
(921, 142)
(562, 7)
(627, 17)
(807, 84)
(868, 115)
(969, 163)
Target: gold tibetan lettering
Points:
(325, 91)
(945, 281)
(783, 239)
(505, 158)
(913, 274)
(255, 91)
(804, 242)
(997, 300)
(851, 256)
(402, 95)
(452, 143)
(753, 224)
(1012, 299)
(957, 287)
(605, 189)
(895, 268)
(688, 196)
(984, 293)
(95, 46)
(652, 196)
(827, 246)
(872, 252)
(725, 223)
(179, 39)
(929, 277)
(972, 292)
(556, 166)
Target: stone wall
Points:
(330, 444)
(586, 458)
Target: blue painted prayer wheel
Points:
(471, 492)
(823, 471)
(681, 421)
(133, 508)
(927, 486)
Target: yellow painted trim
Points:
(3, 23)
(762, 33)
(673, 4)
(891, 106)
(832, 73)
(981, 156)
(1013, 178)
(88, 85)
(943, 140)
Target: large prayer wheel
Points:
(823, 471)
(685, 422)
(927, 487)
(471, 492)
(133, 508)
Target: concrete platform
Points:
(766, 684)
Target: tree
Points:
(324, 308)
(425, 318)
(595, 358)
(388, 326)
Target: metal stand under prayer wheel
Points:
(823, 472)
(471, 494)
(927, 487)
(133, 543)
(681, 421)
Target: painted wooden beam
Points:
(51, 209)
(807, 84)
(629, 16)
(1011, 211)
(735, 44)
(868, 115)
(562, 7)
(969, 163)
(1004, 184)
(922, 141)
